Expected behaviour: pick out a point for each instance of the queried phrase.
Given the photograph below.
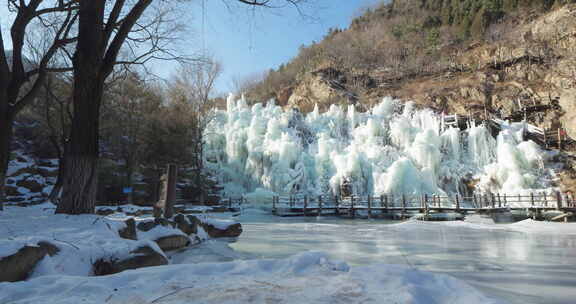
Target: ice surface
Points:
(392, 149)
(525, 262)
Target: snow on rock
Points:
(29, 180)
(264, 150)
(81, 239)
(309, 277)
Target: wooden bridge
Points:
(404, 206)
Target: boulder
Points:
(173, 242)
(31, 185)
(47, 163)
(233, 230)
(24, 171)
(194, 221)
(146, 225)
(11, 191)
(105, 211)
(150, 224)
(143, 257)
(187, 226)
(47, 172)
(17, 267)
(129, 232)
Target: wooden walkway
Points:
(386, 206)
(553, 138)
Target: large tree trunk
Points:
(6, 124)
(81, 159)
(81, 172)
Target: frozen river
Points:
(511, 262)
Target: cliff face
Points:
(535, 64)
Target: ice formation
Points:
(392, 149)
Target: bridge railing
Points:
(399, 202)
(477, 201)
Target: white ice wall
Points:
(393, 149)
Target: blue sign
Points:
(127, 190)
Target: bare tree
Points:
(102, 33)
(57, 114)
(20, 79)
(193, 86)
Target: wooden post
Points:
(545, 199)
(457, 203)
(532, 199)
(352, 206)
(170, 190)
(493, 200)
(369, 206)
(475, 200)
(499, 200)
(505, 200)
(426, 202)
(558, 200)
(385, 203)
(305, 205)
(403, 203)
(319, 205)
(337, 208)
(157, 211)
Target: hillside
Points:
(451, 55)
(466, 57)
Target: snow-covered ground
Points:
(312, 260)
(304, 278)
(81, 239)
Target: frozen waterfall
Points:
(392, 149)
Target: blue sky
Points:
(249, 41)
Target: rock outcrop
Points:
(173, 242)
(233, 230)
(143, 256)
(17, 267)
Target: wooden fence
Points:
(307, 205)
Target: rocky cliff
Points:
(534, 65)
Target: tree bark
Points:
(81, 174)
(6, 131)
